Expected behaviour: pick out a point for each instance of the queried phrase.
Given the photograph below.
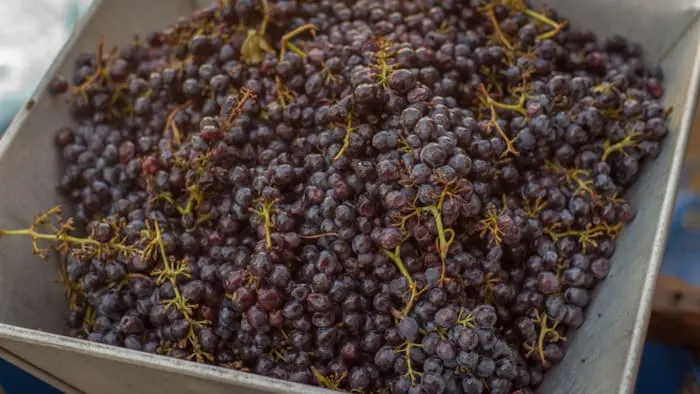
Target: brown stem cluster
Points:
(384, 61)
(489, 225)
(532, 208)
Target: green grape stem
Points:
(519, 107)
(170, 272)
(493, 121)
(285, 44)
(395, 257)
(255, 45)
(542, 320)
(465, 319)
(349, 129)
(406, 350)
(170, 122)
(445, 237)
(629, 141)
(93, 246)
(383, 56)
(497, 29)
(588, 236)
(556, 27)
(265, 211)
(329, 382)
(489, 225)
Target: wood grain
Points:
(675, 317)
(692, 156)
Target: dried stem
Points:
(285, 40)
(349, 129)
(170, 123)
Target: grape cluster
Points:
(371, 196)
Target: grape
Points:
(433, 154)
(468, 340)
(408, 328)
(486, 367)
(58, 85)
(446, 351)
(385, 357)
(485, 316)
(446, 317)
(547, 283)
(472, 385)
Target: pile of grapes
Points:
(376, 196)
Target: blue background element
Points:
(15, 381)
(664, 368)
(31, 34)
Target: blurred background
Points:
(32, 32)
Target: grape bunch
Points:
(376, 196)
